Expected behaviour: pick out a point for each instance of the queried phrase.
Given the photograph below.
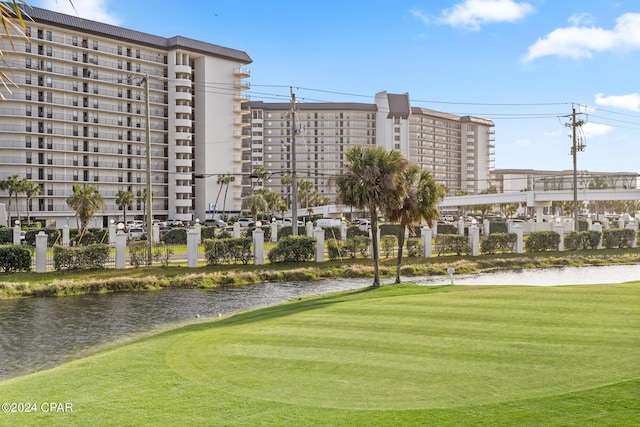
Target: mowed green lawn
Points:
(398, 355)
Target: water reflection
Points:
(43, 332)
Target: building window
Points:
(27, 47)
(49, 51)
(95, 45)
(27, 63)
(138, 53)
(74, 55)
(49, 36)
(27, 94)
(119, 50)
(27, 78)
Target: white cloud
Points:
(420, 15)
(471, 14)
(578, 19)
(523, 142)
(627, 102)
(591, 130)
(95, 10)
(578, 42)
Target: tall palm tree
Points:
(421, 195)
(371, 181)
(260, 175)
(86, 201)
(141, 197)
(272, 198)
(228, 179)
(304, 191)
(254, 203)
(13, 185)
(31, 190)
(221, 182)
(287, 180)
(124, 199)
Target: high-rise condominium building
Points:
(78, 116)
(458, 150)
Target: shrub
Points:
(447, 243)
(582, 240)
(357, 245)
(354, 231)
(92, 256)
(218, 251)
(388, 244)
(92, 236)
(208, 233)
(498, 242)
(497, 227)
(541, 241)
(162, 253)
(413, 247)
(331, 233)
(334, 249)
(53, 235)
(175, 236)
(6, 236)
(447, 228)
(618, 238)
(293, 249)
(15, 258)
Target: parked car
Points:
(135, 233)
(447, 218)
(246, 222)
(215, 223)
(327, 222)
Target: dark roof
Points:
(311, 106)
(106, 30)
(398, 105)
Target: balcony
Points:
(183, 109)
(243, 73)
(239, 110)
(183, 69)
(183, 136)
(186, 123)
(183, 83)
(185, 96)
(241, 97)
(242, 85)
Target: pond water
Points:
(38, 333)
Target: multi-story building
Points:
(78, 115)
(458, 150)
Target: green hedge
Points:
(452, 243)
(354, 231)
(219, 251)
(447, 228)
(15, 258)
(582, 240)
(618, 238)
(176, 236)
(293, 249)
(498, 242)
(92, 256)
(414, 247)
(6, 236)
(54, 235)
(541, 241)
(497, 227)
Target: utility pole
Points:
(145, 79)
(574, 152)
(294, 179)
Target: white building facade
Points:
(78, 116)
(458, 150)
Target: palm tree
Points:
(371, 181)
(141, 197)
(287, 180)
(86, 201)
(124, 199)
(31, 189)
(228, 179)
(254, 203)
(13, 185)
(421, 195)
(272, 198)
(260, 174)
(220, 182)
(304, 191)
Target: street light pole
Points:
(294, 179)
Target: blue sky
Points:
(522, 63)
